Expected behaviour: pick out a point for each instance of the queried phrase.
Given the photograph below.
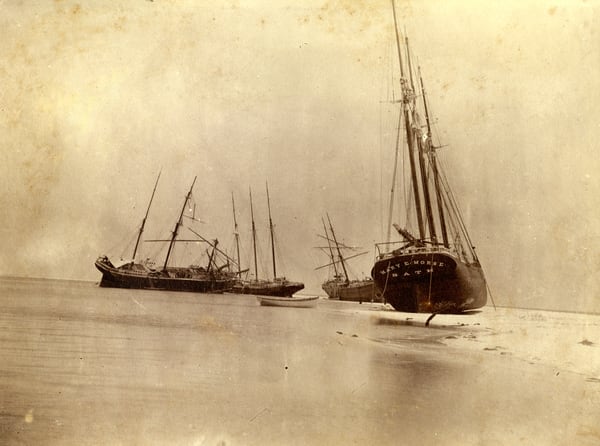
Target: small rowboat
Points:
(294, 301)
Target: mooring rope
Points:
(430, 280)
(387, 276)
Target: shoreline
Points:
(567, 341)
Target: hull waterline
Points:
(353, 291)
(174, 279)
(267, 288)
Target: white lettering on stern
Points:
(431, 264)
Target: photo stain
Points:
(29, 416)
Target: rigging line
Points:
(437, 196)
(395, 170)
(347, 258)
(390, 82)
(352, 273)
(409, 202)
(121, 242)
(137, 243)
(389, 72)
(262, 270)
(452, 226)
(387, 276)
(340, 244)
(154, 254)
(460, 219)
(280, 258)
(212, 244)
(185, 254)
(428, 221)
(489, 290)
(451, 222)
(407, 187)
(197, 260)
(246, 257)
(430, 280)
(337, 246)
(381, 169)
(436, 131)
(451, 203)
(383, 148)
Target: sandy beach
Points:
(83, 365)
(565, 341)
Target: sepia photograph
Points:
(253, 222)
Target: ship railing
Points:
(387, 249)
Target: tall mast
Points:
(271, 230)
(337, 245)
(333, 262)
(179, 223)
(422, 166)
(413, 173)
(407, 97)
(433, 161)
(212, 255)
(393, 188)
(253, 237)
(137, 242)
(402, 79)
(410, 71)
(426, 195)
(237, 236)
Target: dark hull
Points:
(354, 291)
(199, 282)
(278, 288)
(430, 282)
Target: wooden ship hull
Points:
(281, 288)
(340, 286)
(212, 279)
(136, 276)
(434, 267)
(430, 282)
(354, 290)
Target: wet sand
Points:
(89, 366)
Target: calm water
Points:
(81, 365)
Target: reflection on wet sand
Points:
(84, 365)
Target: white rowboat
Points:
(294, 301)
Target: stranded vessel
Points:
(279, 286)
(143, 275)
(434, 268)
(340, 286)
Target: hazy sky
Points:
(97, 97)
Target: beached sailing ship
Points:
(279, 286)
(435, 269)
(340, 286)
(215, 277)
